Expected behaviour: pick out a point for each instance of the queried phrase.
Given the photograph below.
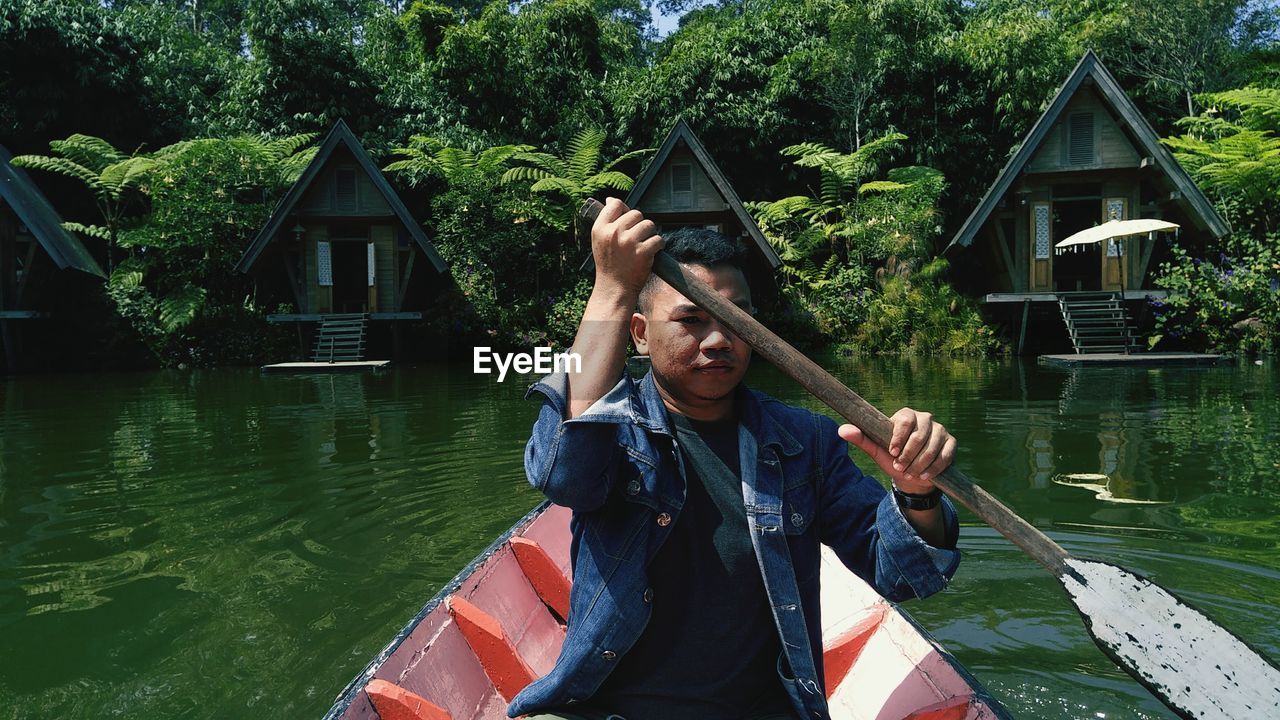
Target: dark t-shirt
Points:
(711, 648)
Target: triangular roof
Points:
(1197, 205)
(34, 210)
(681, 132)
(340, 134)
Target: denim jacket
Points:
(618, 467)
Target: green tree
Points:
(208, 198)
(571, 179)
(1226, 294)
(537, 73)
(114, 178)
(831, 241)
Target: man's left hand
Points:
(919, 450)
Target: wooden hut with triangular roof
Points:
(344, 251)
(1090, 157)
(34, 250)
(682, 186)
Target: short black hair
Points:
(698, 246)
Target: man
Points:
(699, 506)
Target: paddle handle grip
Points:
(847, 403)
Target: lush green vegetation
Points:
(863, 132)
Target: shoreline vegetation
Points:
(860, 133)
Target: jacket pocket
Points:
(615, 528)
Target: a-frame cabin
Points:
(341, 247)
(682, 186)
(1090, 157)
(30, 231)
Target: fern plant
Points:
(569, 180)
(114, 178)
(427, 156)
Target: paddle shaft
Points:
(851, 406)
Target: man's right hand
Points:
(623, 243)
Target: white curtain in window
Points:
(370, 263)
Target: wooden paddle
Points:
(1192, 664)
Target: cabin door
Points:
(1041, 247)
(1115, 253)
(1075, 268)
(350, 276)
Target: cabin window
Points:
(324, 265)
(344, 189)
(1080, 139)
(1042, 230)
(370, 265)
(681, 186)
(1114, 211)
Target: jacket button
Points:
(664, 520)
(797, 519)
(633, 487)
(609, 655)
(648, 595)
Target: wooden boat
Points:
(498, 625)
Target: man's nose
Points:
(718, 337)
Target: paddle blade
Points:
(1191, 663)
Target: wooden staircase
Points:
(1097, 323)
(340, 338)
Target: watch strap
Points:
(918, 501)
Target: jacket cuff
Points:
(614, 407)
(924, 567)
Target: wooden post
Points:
(1022, 331)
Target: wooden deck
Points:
(1146, 359)
(324, 367)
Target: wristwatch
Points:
(916, 501)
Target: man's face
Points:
(696, 360)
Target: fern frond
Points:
(93, 231)
(180, 307)
(87, 150)
(493, 159)
(608, 179)
(546, 161)
(583, 153)
(59, 166)
(124, 175)
(628, 156)
(882, 186)
(524, 173)
(564, 186)
(292, 167)
(278, 150)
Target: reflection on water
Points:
(220, 544)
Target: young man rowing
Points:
(699, 505)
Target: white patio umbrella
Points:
(1117, 229)
(1113, 229)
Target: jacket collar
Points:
(648, 411)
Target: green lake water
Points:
(226, 544)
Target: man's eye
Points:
(689, 320)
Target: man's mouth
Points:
(714, 368)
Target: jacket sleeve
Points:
(866, 528)
(573, 462)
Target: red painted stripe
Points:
(543, 574)
(956, 708)
(497, 655)
(839, 657)
(395, 703)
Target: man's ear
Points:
(639, 333)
